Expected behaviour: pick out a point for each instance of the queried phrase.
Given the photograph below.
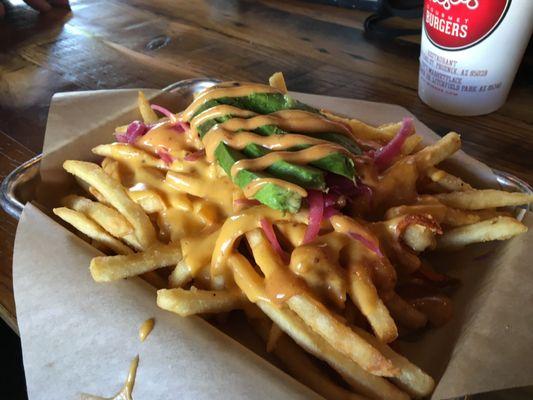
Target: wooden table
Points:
(150, 43)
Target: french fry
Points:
(300, 365)
(323, 276)
(150, 201)
(365, 296)
(186, 183)
(499, 228)
(117, 196)
(438, 152)
(292, 232)
(87, 226)
(481, 199)
(411, 144)
(233, 228)
(360, 130)
(447, 181)
(318, 317)
(91, 190)
(108, 218)
(362, 381)
(97, 195)
(111, 167)
(180, 275)
(112, 268)
(441, 213)
(278, 81)
(419, 237)
(207, 212)
(411, 378)
(148, 115)
(125, 151)
(190, 302)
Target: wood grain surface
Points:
(111, 44)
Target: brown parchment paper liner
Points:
(79, 336)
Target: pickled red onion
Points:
(340, 185)
(385, 155)
(181, 126)
(195, 156)
(246, 202)
(165, 156)
(316, 213)
(331, 199)
(165, 111)
(134, 130)
(271, 236)
(369, 244)
(330, 212)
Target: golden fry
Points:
(117, 196)
(419, 237)
(125, 151)
(190, 302)
(481, 199)
(362, 381)
(499, 228)
(411, 144)
(365, 296)
(180, 275)
(300, 365)
(317, 316)
(112, 268)
(150, 201)
(438, 152)
(323, 276)
(111, 167)
(447, 181)
(360, 130)
(411, 378)
(108, 218)
(278, 81)
(148, 115)
(87, 226)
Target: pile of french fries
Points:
(336, 300)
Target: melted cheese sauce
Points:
(192, 202)
(146, 328)
(318, 267)
(185, 203)
(126, 393)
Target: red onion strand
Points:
(316, 213)
(268, 229)
(384, 157)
